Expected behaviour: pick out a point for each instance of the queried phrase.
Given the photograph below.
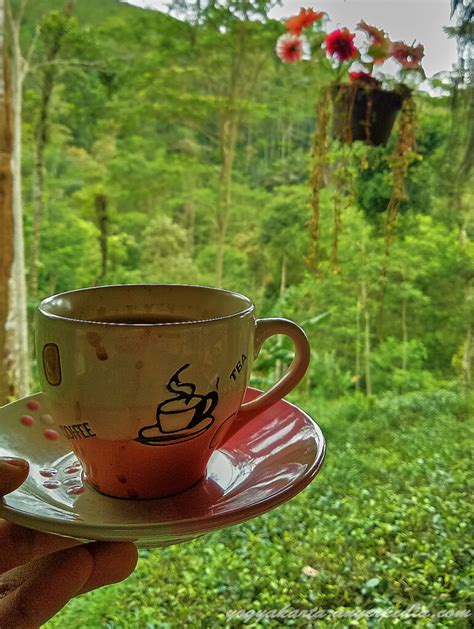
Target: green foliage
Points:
(141, 125)
(76, 254)
(386, 524)
(388, 366)
(166, 256)
(138, 119)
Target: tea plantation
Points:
(381, 538)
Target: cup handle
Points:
(266, 328)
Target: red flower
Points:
(340, 43)
(304, 19)
(289, 48)
(409, 56)
(363, 77)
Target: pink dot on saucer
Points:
(33, 405)
(72, 469)
(75, 491)
(27, 420)
(51, 484)
(52, 435)
(48, 472)
(46, 419)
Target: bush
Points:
(387, 370)
(385, 525)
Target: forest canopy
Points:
(157, 149)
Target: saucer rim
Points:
(182, 526)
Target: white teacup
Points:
(148, 380)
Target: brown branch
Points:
(400, 161)
(14, 27)
(26, 62)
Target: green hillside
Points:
(88, 11)
(97, 14)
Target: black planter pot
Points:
(364, 113)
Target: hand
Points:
(40, 573)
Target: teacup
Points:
(147, 381)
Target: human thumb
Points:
(13, 472)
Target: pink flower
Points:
(409, 56)
(340, 43)
(289, 48)
(304, 19)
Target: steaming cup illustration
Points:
(182, 417)
(146, 381)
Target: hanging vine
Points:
(343, 196)
(318, 159)
(338, 200)
(403, 155)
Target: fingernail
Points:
(14, 461)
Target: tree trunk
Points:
(338, 199)
(248, 150)
(18, 321)
(367, 366)
(459, 165)
(318, 160)
(228, 140)
(403, 155)
(467, 358)
(38, 188)
(228, 131)
(343, 183)
(189, 183)
(279, 366)
(357, 348)
(283, 276)
(404, 335)
(469, 300)
(191, 223)
(6, 214)
(103, 223)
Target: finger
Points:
(32, 594)
(113, 562)
(20, 545)
(13, 473)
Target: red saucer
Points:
(262, 465)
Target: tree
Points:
(54, 29)
(232, 93)
(462, 161)
(283, 235)
(18, 319)
(165, 253)
(233, 56)
(6, 215)
(144, 143)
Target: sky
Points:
(407, 20)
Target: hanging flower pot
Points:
(364, 112)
